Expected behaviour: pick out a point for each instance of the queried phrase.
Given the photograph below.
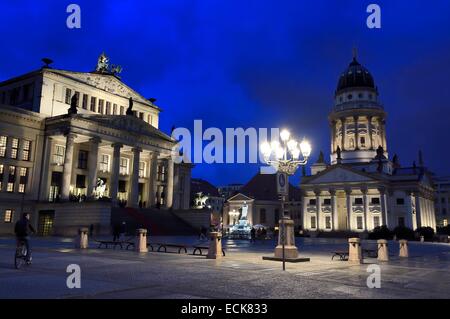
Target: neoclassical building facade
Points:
(361, 188)
(74, 145)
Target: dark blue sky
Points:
(254, 63)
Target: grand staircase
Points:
(157, 222)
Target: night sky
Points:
(254, 63)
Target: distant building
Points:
(206, 195)
(442, 200)
(264, 207)
(229, 190)
(363, 188)
(76, 145)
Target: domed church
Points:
(362, 187)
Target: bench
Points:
(370, 252)
(109, 242)
(200, 248)
(343, 255)
(165, 246)
(131, 244)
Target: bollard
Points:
(422, 239)
(354, 250)
(215, 246)
(140, 244)
(82, 241)
(403, 248)
(383, 253)
(290, 250)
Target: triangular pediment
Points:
(127, 123)
(105, 82)
(339, 175)
(239, 197)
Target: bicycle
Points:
(21, 255)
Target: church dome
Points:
(355, 76)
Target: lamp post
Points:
(285, 158)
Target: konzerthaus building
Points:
(74, 145)
(362, 188)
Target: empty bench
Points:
(200, 250)
(107, 243)
(165, 246)
(370, 252)
(130, 244)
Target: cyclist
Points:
(23, 229)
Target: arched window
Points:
(352, 142)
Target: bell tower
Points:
(358, 120)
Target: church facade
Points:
(362, 187)
(74, 145)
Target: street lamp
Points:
(285, 158)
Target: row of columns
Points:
(334, 144)
(349, 210)
(133, 197)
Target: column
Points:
(366, 208)
(369, 129)
(305, 211)
(152, 179)
(348, 193)
(382, 133)
(343, 134)
(67, 169)
(333, 137)
(46, 172)
(92, 166)
(384, 219)
(115, 167)
(355, 118)
(409, 218)
(318, 208)
(334, 216)
(169, 190)
(133, 196)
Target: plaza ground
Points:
(108, 273)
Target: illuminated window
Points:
(14, 148)
(26, 150)
(359, 222)
(8, 216)
(363, 141)
(161, 172)
(328, 222)
(93, 103)
(68, 95)
(58, 156)
(142, 169)
(445, 222)
(3, 142)
(313, 221)
(104, 163)
(123, 170)
(23, 174)
(376, 221)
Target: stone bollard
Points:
(354, 250)
(215, 246)
(290, 250)
(140, 244)
(403, 248)
(82, 240)
(383, 253)
(422, 239)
